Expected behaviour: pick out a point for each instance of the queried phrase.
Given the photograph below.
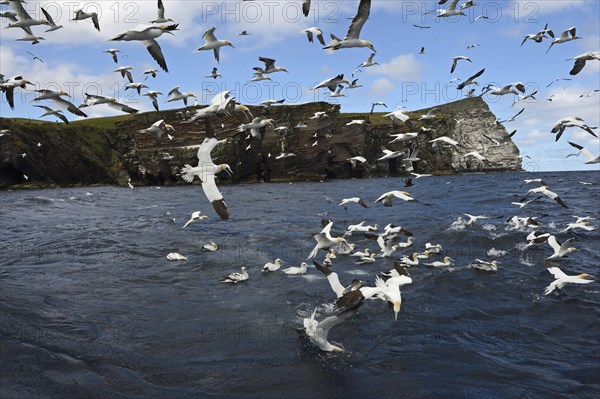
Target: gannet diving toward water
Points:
(147, 35)
(206, 171)
(352, 37)
(317, 331)
(562, 279)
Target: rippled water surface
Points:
(91, 307)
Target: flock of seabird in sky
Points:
(387, 284)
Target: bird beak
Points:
(396, 310)
(229, 171)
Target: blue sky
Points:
(74, 60)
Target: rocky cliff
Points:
(82, 154)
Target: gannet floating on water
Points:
(366, 252)
(296, 270)
(560, 250)
(211, 43)
(206, 171)
(352, 37)
(326, 241)
(176, 256)
(272, 266)
(562, 279)
(447, 262)
(211, 247)
(485, 266)
(353, 200)
(147, 35)
(366, 259)
(195, 217)
(236, 277)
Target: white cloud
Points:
(404, 67)
(381, 88)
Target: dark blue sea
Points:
(91, 307)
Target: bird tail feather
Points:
(187, 173)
